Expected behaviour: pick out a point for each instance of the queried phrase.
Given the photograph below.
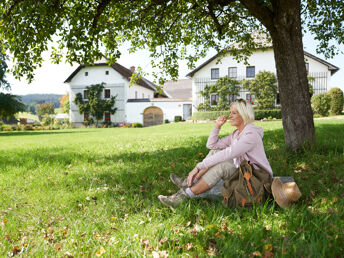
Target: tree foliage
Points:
(64, 103)
(45, 108)
(264, 89)
(9, 105)
(95, 105)
(226, 90)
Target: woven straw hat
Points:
(285, 191)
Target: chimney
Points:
(132, 69)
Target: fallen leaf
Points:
(187, 223)
(15, 250)
(50, 230)
(113, 218)
(145, 243)
(4, 221)
(256, 253)
(163, 240)
(7, 237)
(159, 254)
(268, 247)
(219, 235)
(268, 254)
(68, 254)
(58, 247)
(172, 165)
(188, 246)
(100, 252)
(267, 227)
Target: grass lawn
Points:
(88, 192)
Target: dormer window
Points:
(86, 73)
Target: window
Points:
(86, 116)
(86, 73)
(307, 67)
(107, 117)
(250, 72)
(250, 97)
(214, 98)
(232, 72)
(143, 95)
(215, 73)
(107, 94)
(85, 94)
(135, 94)
(106, 72)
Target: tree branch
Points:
(100, 10)
(8, 13)
(262, 13)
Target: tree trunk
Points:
(292, 78)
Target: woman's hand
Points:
(191, 176)
(220, 121)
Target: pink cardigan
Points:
(247, 145)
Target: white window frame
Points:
(211, 73)
(229, 72)
(247, 67)
(216, 98)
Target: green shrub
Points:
(337, 101)
(259, 114)
(137, 125)
(321, 104)
(177, 119)
(167, 121)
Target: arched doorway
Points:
(153, 116)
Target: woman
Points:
(245, 143)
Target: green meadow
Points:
(93, 192)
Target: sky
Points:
(50, 77)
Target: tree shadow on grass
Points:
(47, 132)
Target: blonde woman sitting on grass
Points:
(244, 143)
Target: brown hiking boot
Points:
(175, 199)
(179, 181)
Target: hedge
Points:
(258, 114)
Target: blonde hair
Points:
(245, 110)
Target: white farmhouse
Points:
(138, 103)
(261, 60)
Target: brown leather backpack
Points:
(246, 186)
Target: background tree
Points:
(337, 101)
(64, 103)
(170, 29)
(10, 105)
(226, 90)
(264, 89)
(95, 105)
(45, 108)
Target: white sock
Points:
(190, 193)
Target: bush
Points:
(259, 114)
(321, 104)
(177, 119)
(337, 101)
(167, 121)
(137, 125)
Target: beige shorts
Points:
(222, 170)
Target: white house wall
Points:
(261, 60)
(142, 92)
(170, 109)
(96, 75)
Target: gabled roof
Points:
(331, 67)
(126, 73)
(180, 89)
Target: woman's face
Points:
(235, 117)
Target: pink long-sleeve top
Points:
(248, 145)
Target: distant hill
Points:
(41, 98)
(31, 100)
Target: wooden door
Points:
(153, 116)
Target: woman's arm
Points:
(214, 143)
